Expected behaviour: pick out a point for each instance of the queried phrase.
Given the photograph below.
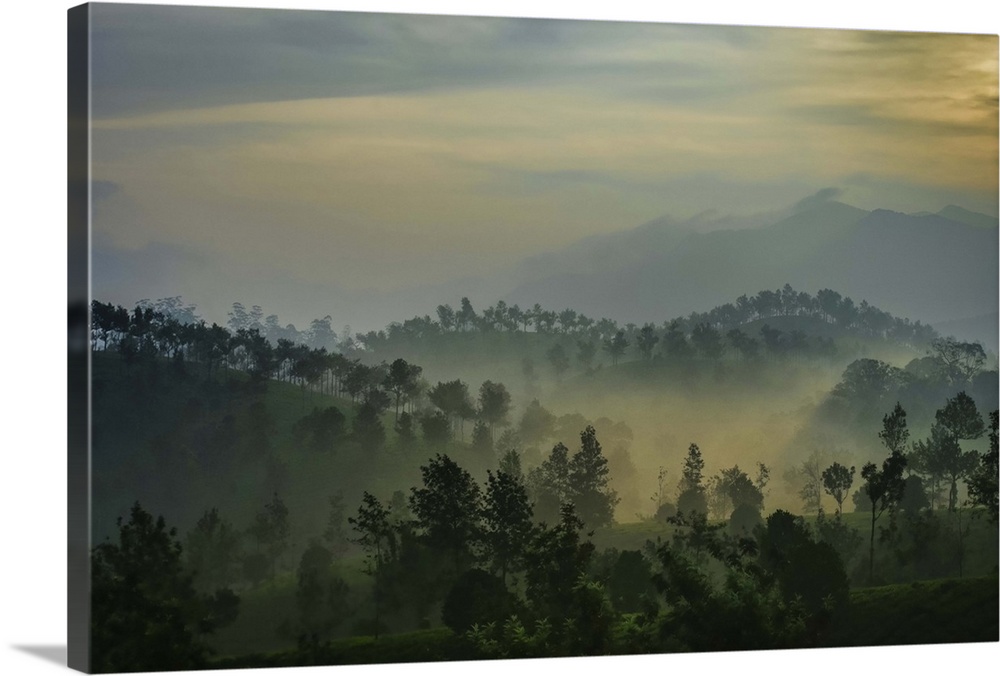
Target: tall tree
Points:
(507, 521)
(212, 552)
(983, 481)
(376, 537)
(589, 482)
(494, 404)
(447, 510)
(837, 480)
(646, 340)
(558, 358)
(941, 455)
(691, 492)
(401, 379)
(615, 346)
(884, 487)
(271, 531)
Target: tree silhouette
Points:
(837, 481)
(615, 346)
(146, 614)
(941, 456)
(646, 340)
(884, 487)
(212, 551)
(691, 492)
(271, 531)
(447, 509)
(983, 481)
(401, 379)
(494, 404)
(589, 482)
(507, 522)
(375, 535)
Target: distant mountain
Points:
(931, 267)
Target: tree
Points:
(452, 398)
(368, 429)
(334, 534)
(465, 318)
(894, 434)
(810, 474)
(555, 561)
(646, 340)
(558, 358)
(983, 481)
(837, 480)
(960, 361)
(320, 595)
(707, 341)
(481, 439)
(691, 493)
(868, 381)
(675, 344)
(494, 404)
(507, 522)
(145, 613)
(537, 424)
(375, 535)
(884, 488)
(941, 455)
(586, 350)
(549, 483)
(589, 482)
(960, 418)
(271, 531)
(808, 572)
(615, 346)
(213, 549)
(740, 489)
(436, 430)
(401, 380)
(447, 510)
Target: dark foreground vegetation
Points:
(337, 508)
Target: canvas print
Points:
(407, 338)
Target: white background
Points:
(33, 534)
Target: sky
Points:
(314, 161)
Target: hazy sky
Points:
(270, 156)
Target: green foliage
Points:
(630, 582)
(482, 441)
(447, 510)
(146, 614)
(983, 482)
(589, 482)
(271, 530)
(213, 551)
(506, 522)
(582, 480)
(476, 598)
(368, 429)
(321, 597)
(321, 430)
(837, 481)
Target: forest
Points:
(786, 470)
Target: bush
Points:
(477, 597)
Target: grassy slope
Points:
(937, 611)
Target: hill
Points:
(932, 267)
